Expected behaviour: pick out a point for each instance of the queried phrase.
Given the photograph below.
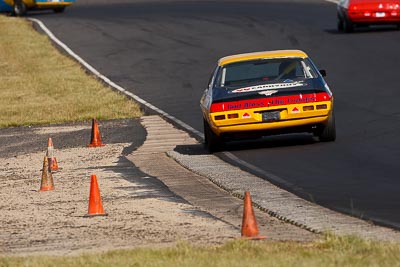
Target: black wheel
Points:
(347, 25)
(211, 141)
(328, 132)
(59, 9)
(19, 8)
(340, 25)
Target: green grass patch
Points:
(39, 85)
(329, 251)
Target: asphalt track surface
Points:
(164, 51)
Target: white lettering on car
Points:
(268, 86)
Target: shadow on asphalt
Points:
(364, 30)
(287, 140)
(265, 142)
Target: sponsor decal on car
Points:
(268, 86)
(295, 110)
(269, 101)
(246, 116)
(268, 92)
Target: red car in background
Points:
(352, 13)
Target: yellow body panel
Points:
(251, 119)
(270, 125)
(258, 55)
(52, 4)
(32, 3)
(28, 3)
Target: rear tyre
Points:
(211, 141)
(19, 8)
(328, 132)
(347, 25)
(340, 25)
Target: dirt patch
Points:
(141, 211)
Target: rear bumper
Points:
(310, 125)
(273, 125)
(371, 17)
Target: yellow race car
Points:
(266, 93)
(20, 7)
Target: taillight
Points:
(233, 116)
(352, 8)
(308, 108)
(219, 117)
(322, 106)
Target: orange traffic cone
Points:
(47, 183)
(95, 204)
(53, 165)
(249, 223)
(95, 138)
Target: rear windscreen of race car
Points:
(275, 70)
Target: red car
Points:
(352, 13)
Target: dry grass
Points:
(39, 85)
(329, 251)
